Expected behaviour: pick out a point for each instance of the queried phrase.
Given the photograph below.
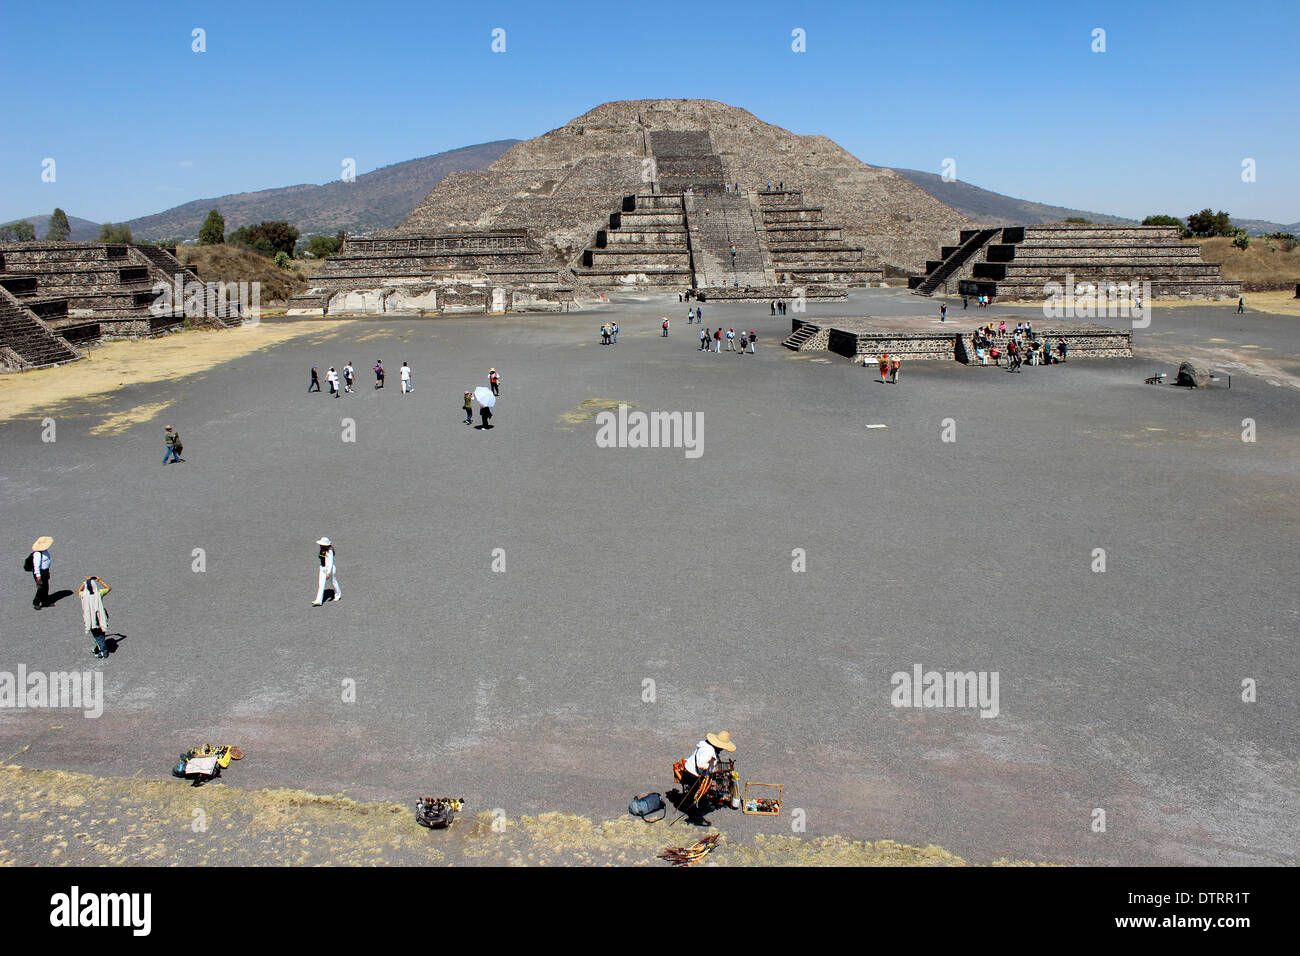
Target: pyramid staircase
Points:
(26, 340)
(1020, 262)
(952, 258)
(718, 223)
(106, 288)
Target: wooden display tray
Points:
(744, 802)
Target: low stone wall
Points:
(858, 341)
(821, 293)
(925, 346)
(1082, 342)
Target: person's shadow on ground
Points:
(57, 596)
(695, 816)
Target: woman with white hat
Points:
(40, 568)
(700, 764)
(328, 573)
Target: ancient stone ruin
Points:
(644, 193)
(1018, 262)
(57, 298)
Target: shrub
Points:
(20, 231)
(115, 232)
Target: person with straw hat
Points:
(700, 764)
(328, 575)
(40, 569)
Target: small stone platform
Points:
(855, 337)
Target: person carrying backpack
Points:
(38, 564)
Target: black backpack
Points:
(28, 566)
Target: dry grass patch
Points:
(135, 362)
(1267, 264)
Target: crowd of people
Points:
(1021, 346)
(712, 339)
(345, 383)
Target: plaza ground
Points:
(526, 691)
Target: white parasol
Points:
(483, 395)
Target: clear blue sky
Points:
(1160, 122)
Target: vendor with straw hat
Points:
(701, 762)
(40, 569)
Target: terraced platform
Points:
(1019, 262)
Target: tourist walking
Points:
(731, 339)
(172, 440)
(752, 336)
(494, 381)
(469, 408)
(943, 312)
(328, 575)
(884, 366)
(1062, 348)
(349, 375)
(895, 368)
(332, 377)
(1241, 304)
(741, 343)
(717, 341)
(379, 373)
(314, 384)
(406, 379)
(93, 613)
(613, 331)
(704, 339)
(699, 314)
(39, 565)
(773, 304)
(485, 415)
(665, 326)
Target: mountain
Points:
(994, 209)
(1259, 226)
(373, 201)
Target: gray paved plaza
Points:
(524, 689)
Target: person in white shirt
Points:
(41, 571)
(333, 378)
(406, 379)
(328, 576)
(699, 764)
(349, 373)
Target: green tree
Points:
(322, 246)
(1162, 220)
(1208, 223)
(1240, 238)
(267, 238)
(20, 231)
(213, 230)
(1079, 221)
(59, 229)
(115, 232)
